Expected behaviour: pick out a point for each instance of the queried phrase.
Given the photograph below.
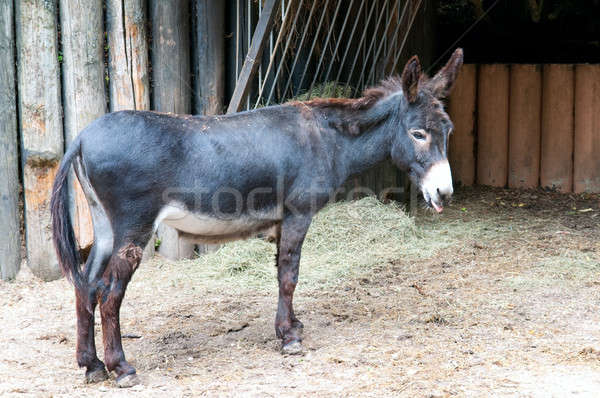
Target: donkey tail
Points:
(65, 243)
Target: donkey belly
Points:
(213, 228)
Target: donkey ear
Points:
(442, 82)
(410, 79)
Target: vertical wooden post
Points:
(209, 64)
(83, 78)
(209, 71)
(127, 55)
(172, 88)
(41, 126)
(524, 126)
(492, 125)
(556, 169)
(129, 86)
(461, 108)
(586, 168)
(10, 244)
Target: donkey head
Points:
(420, 147)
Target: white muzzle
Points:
(437, 185)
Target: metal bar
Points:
(249, 23)
(362, 71)
(249, 38)
(337, 45)
(362, 38)
(337, 78)
(273, 54)
(299, 49)
(260, 60)
(287, 45)
(237, 38)
(335, 14)
(385, 31)
(250, 66)
(406, 33)
(312, 47)
(389, 56)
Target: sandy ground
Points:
(513, 313)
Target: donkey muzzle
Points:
(437, 185)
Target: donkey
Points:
(222, 178)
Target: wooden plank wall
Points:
(515, 125)
(534, 126)
(33, 97)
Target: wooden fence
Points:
(63, 63)
(525, 126)
(76, 60)
(519, 125)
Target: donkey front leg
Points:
(287, 326)
(116, 277)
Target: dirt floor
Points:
(511, 307)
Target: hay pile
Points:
(345, 240)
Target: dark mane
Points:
(369, 97)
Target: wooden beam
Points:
(129, 80)
(558, 101)
(586, 167)
(10, 244)
(82, 34)
(209, 65)
(492, 124)
(41, 126)
(127, 55)
(259, 39)
(461, 108)
(524, 126)
(172, 92)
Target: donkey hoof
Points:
(294, 347)
(126, 381)
(96, 376)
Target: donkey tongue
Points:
(437, 207)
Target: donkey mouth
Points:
(431, 203)
(436, 207)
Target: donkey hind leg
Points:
(86, 346)
(287, 327)
(125, 259)
(96, 262)
(86, 301)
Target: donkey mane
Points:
(370, 96)
(341, 112)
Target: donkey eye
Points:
(419, 135)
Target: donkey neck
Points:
(373, 144)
